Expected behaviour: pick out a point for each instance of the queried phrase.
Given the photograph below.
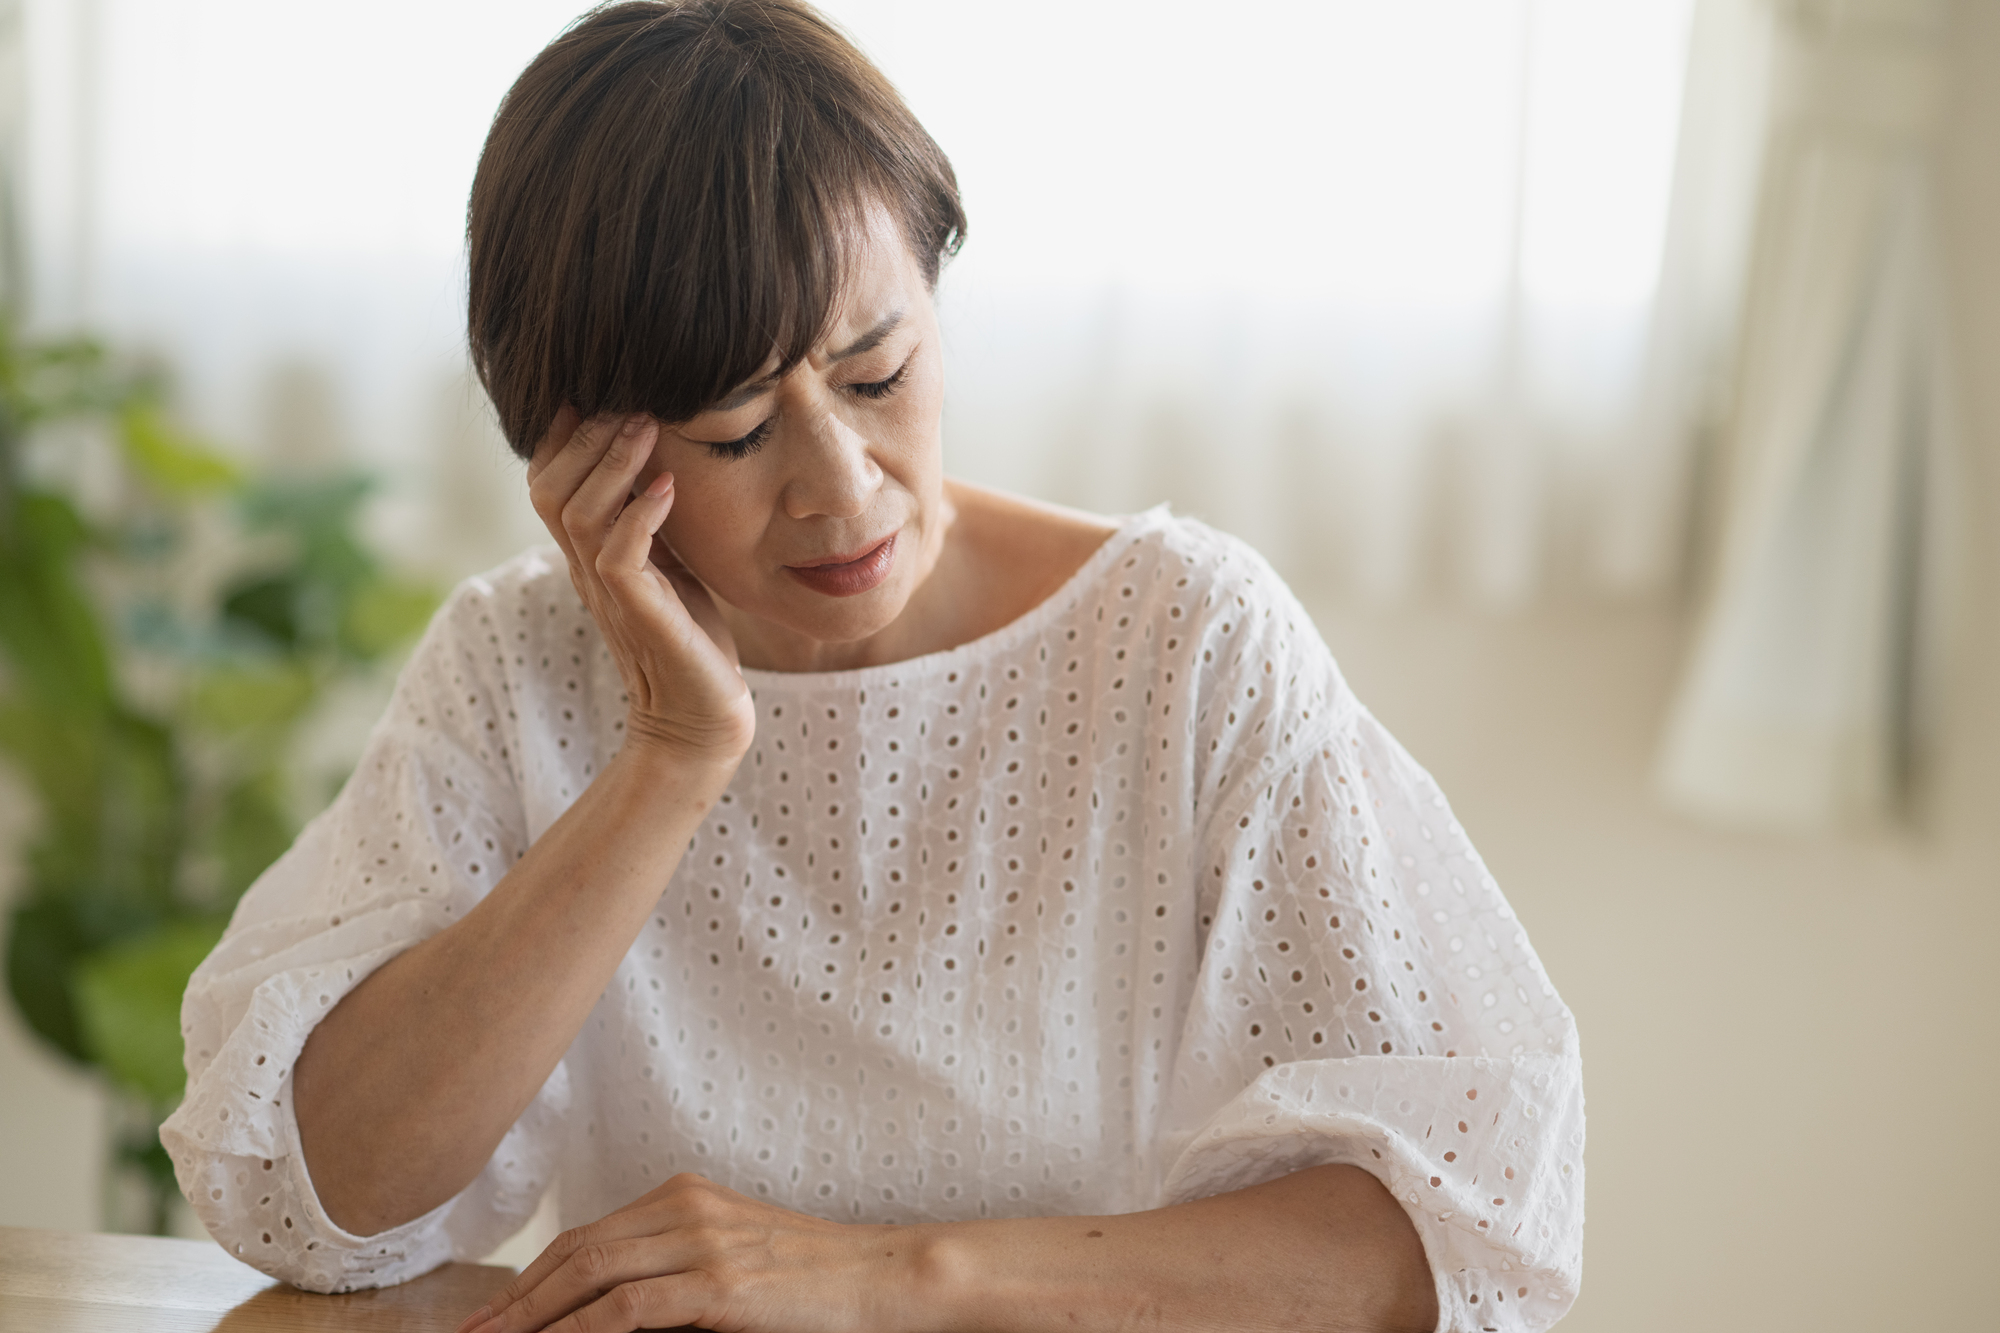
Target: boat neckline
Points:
(1027, 624)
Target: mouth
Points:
(848, 575)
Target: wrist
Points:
(673, 770)
(704, 747)
(942, 1279)
(1004, 1276)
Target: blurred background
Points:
(1617, 381)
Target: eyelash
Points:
(746, 446)
(751, 443)
(883, 388)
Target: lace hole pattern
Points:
(1131, 892)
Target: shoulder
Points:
(1194, 585)
(535, 580)
(513, 624)
(512, 685)
(1264, 686)
(1245, 616)
(1227, 570)
(514, 614)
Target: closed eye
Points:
(751, 443)
(744, 447)
(883, 388)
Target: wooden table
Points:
(72, 1282)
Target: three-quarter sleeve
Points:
(428, 823)
(1367, 997)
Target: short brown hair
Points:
(664, 201)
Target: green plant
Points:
(150, 712)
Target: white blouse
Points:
(1126, 904)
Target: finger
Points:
(563, 465)
(604, 493)
(652, 605)
(668, 561)
(552, 487)
(558, 434)
(629, 549)
(627, 1224)
(548, 1261)
(674, 1301)
(562, 460)
(589, 1274)
(666, 558)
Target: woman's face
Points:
(812, 506)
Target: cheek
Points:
(710, 527)
(916, 423)
(927, 394)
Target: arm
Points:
(1321, 1249)
(1411, 1030)
(396, 1116)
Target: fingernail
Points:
(476, 1318)
(635, 424)
(660, 485)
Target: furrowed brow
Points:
(867, 342)
(754, 389)
(872, 339)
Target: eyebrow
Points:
(867, 342)
(872, 339)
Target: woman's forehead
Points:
(880, 294)
(881, 276)
(883, 293)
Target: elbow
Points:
(1388, 1285)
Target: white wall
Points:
(1788, 1045)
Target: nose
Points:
(834, 473)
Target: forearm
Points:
(407, 1085)
(1321, 1249)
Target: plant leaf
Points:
(112, 796)
(230, 699)
(254, 830)
(178, 464)
(48, 629)
(60, 753)
(266, 606)
(42, 945)
(128, 1000)
(69, 378)
(383, 613)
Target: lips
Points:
(848, 575)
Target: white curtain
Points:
(1807, 684)
(1376, 286)
(1395, 291)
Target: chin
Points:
(842, 619)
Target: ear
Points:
(561, 431)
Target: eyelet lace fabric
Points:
(1124, 905)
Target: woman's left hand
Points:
(1325, 1248)
(692, 1253)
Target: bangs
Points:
(667, 203)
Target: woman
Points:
(880, 903)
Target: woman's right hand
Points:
(391, 1129)
(686, 696)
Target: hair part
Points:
(667, 199)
